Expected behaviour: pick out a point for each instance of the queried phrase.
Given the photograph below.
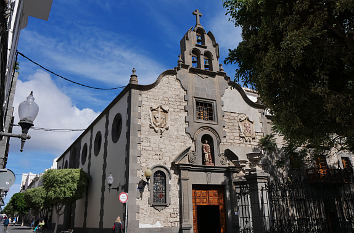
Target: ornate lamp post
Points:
(27, 111)
(110, 180)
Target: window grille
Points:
(205, 111)
(159, 188)
(322, 165)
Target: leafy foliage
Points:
(287, 157)
(17, 204)
(299, 56)
(35, 198)
(64, 185)
(8, 210)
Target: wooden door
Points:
(212, 195)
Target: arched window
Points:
(195, 58)
(159, 187)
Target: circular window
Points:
(84, 154)
(66, 164)
(116, 127)
(98, 142)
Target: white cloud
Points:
(226, 34)
(93, 54)
(55, 111)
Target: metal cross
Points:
(198, 15)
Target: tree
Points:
(299, 56)
(63, 187)
(8, 210)
(36, 199)
(17, 205)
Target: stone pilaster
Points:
(186, 226)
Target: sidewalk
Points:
(16, 229)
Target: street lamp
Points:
(27, 111)
(142, 183)
(110, 182)
(148, 174)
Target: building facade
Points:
(196, 131)
(14, 18)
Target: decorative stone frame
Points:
(213, 103)
(198, 144)
(160, 206)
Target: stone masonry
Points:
(162, 148)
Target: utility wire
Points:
(58, 75)
(53, 130)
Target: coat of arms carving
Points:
(246, 127)
(159, 119)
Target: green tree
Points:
(17, 205)
(63, 187)
(8, 210)
(36, 200)
(299, 56)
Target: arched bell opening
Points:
(208, 61)
(196, 58)
(200, 39)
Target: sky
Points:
(98, 42)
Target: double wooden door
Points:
(209, 196)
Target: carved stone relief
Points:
(192, 156)
(159, 119)
(223, 159)
(246, 127)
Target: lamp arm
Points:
(22, 136)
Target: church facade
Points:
(196, 133)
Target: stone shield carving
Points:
(246, 127)
(223, 159)
(192, 157)
(159, 119)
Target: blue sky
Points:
(98, 42)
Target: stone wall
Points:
(162, 149)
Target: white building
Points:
(16, 13)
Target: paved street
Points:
(15, 229)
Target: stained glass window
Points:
(159, 188)
(205, 111)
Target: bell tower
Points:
(198, 48)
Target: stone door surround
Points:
(208, 195)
